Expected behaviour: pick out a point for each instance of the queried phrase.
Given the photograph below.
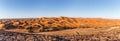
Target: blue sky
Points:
(56, 8)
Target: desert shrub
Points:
(9, 26)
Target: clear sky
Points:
(55, 8)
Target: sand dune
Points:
(60, 29)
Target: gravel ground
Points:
(102, 36)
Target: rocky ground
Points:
(111, 34)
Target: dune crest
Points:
(45, 24)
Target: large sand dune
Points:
(60, 29)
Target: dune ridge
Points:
(45, 24)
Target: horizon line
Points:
(58, 17)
